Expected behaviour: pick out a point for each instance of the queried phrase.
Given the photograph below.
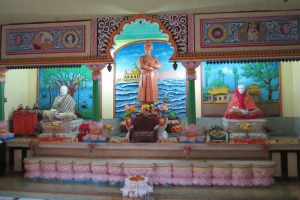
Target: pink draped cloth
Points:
(243, 101)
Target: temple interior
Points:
(154, 100)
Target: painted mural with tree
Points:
(264, 75)
(220, 80)
(79, 84)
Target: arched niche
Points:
(131, 39)
(175, 26)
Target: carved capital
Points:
(96, 68)
(2, 74)
(190, 67)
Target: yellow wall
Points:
(20, 88)
(107, 94)
(296, 90)
(289, 89)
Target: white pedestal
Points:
(257, 130)
(64, 127)
(134, 189)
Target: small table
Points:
(24, 122)
(143, 129)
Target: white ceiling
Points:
(27, 11)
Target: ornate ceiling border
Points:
(278, 55)
(52, 61)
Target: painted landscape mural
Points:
(78, 81)
(171, 83)
(220, 80)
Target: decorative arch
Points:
(175, 26)
(132, 19)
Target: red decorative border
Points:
(46, 51)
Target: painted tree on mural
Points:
(70, 77)
(73, 78)
(263, 74)
(236, 76)
(207, 74)
(221, 75)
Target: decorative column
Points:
(96, 76)
(190, 67)
(2, 83)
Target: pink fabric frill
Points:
(115, 170)
(32, 174)
(32, 166)
(202, 181)
(266, 181)
(100, 177)
(65, 175)
(221, 174)
(81, 168)
(184, 172)
(242, 182)
(203, 174)
(82, 176)
(48, 174)
(263, 172)
(221, 181)
(101, 169)
(182, 181)
(64, 167)
(139, 171)
(48, 166)
(116, 178)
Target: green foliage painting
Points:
(79, 82)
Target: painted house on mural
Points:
(255, 91)
(218, 94)
(133, 75)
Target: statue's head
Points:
(63, 90)
(148, 46)
(241, 88)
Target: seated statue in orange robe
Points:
(148, 92)
(242, 106)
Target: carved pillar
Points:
(190, 67)
(96, 76)
(2, 83)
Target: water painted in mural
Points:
(220, 80)
(171, 83)
(79, 82)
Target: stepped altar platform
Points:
(282, 154)
(148, 150)
(160, 172)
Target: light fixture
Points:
(175, 65)
(109, 67)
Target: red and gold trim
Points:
(240, 55)
(53, 61)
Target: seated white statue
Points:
(63, 107)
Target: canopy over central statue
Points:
(148, 91)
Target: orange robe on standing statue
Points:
(242, 106)
(148, 91)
